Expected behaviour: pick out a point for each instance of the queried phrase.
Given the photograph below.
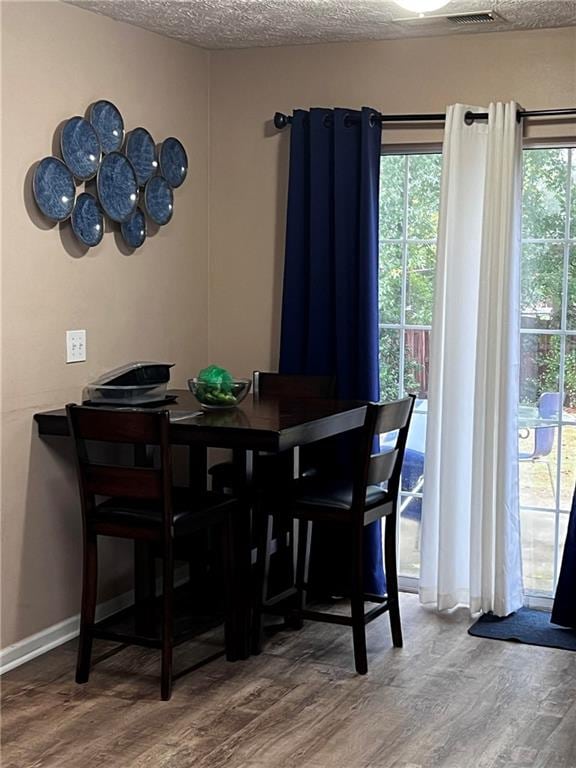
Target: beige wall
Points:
(248, 169)
(152, 304)
(207, 287)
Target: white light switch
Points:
(75, 346)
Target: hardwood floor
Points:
(445, 700)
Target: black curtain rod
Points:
(281, 120)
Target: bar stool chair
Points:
(272, 471)
(370, 493)
(141, 505)
(225, 475)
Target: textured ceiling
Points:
(254, 23)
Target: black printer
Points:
(133, 384)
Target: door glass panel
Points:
(392, 196)
(541, 279)
(568, 464)
(420, 287)
(390, 282)
(424, 173)
(544, 203)
(538, 535)
(389, 363)
(539, 367)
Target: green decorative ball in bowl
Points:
(215, 389)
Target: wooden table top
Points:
(266, 424)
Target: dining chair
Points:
(140, 503)
(272, 471)
(269, 467)
(371, 493)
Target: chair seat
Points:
(322, 493)
(188, 509)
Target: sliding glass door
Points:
(409, 202)
(547, 429)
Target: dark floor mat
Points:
(525, 626)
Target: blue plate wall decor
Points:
(141, 151)
(54, 188)
(80, 147)
(173, 161)
(87, 220)
(117, 187)
(159, 200)
(109, 125)
(134, 229)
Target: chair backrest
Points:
(292, 385)
(386, 466)
(548, 408)
(136, 428)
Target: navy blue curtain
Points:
(330, 299)
(564, 610)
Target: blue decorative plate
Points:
(54, 189)
(117, 187)
(80, 147)
(109, 125)
(134, 229)
(159, 200)
(87, 220)
(173, 161)
(141, 151)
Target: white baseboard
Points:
(35, 645)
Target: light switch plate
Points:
(75, 346)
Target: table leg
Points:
(242, 556)
(144, 566)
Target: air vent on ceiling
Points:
(445, 21)
(482, 17)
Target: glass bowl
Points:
(215, 398)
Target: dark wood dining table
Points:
(273, 425)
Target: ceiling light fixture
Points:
(421, 6)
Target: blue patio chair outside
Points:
(548, 408)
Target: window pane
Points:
(562, 532)
(544, 193)
(573, 195)
(409, 555)
(420, 287)
(568, 465)
(538, 456)
(571, 309)
(537, 550)
(413, 466)
(392, 179)
(390, 283)
(541, 279)
(416, 362)
(539, 366)
(389, 364)
(423, 196)
(570, 377)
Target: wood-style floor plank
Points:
(445, 700)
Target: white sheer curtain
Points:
(470, 520)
